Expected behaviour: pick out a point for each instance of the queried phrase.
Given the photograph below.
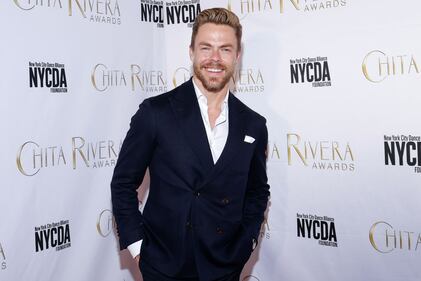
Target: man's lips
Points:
(214, 69)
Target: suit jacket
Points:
(222, 203)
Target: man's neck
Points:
(215, 99)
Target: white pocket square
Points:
(249, 139)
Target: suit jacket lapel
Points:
(235, 140)
(187, 111)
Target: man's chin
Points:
(214, 87)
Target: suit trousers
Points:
(188, 272)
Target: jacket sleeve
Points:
(134, 158)
(257, 194)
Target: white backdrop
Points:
(338, 81)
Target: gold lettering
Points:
(93, 77)
(19, 159)
(79, 149)
(110, 223)
(372, 234)
(294, 2)
(275, 150)
(413, 63)
(365, 67)
(135, 75)
(82, 11)
(335, 146)
(348, 151)
(322, 147)
(17, 2)
(294, 146)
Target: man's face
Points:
(214, 56)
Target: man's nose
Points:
(215, 55)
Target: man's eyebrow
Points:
(222, 46)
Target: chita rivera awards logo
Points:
(245, 7)
(248, 80)
(403, 150)
(327, 155)
(320, 228)
(378, 65)
(314, 71)
(48, 75)
(105, 223)
(385, 238)
(98, 11)
(164, 13)
(32, 157)
(52, 235)
(135, 77)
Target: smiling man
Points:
(206, 156)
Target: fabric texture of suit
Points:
(217, 207)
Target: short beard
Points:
(212, 85)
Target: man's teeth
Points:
(214, 70)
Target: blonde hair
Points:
(220, 16)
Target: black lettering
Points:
(143, 12)
(41, 72)
(185, 14)
(302, 71)
(53, 239)
(389, 153)
(332, 233)
(56, 78)
(156, 14)
(401, 150)
(170, 15)
(324, 230)
(317, 71)
(39, 243)
(294, 73)
(310, 77)
(316, 235)
(308, 225)
(48, 78)
(63, 80)
(301, 232)
(177, 12)
(411, 161)
(46, 234)
(33, 77)
(67, 234)
(326, 72)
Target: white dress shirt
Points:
(217, 137)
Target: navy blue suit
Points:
(214, 209)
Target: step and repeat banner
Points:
(338, 80)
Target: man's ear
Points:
(191, 53)
(239, 53)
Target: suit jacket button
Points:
(225, 201)
(197, 194)
(219, 230)
(188, 224)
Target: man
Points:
(206, 156)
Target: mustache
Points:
(213, 65)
